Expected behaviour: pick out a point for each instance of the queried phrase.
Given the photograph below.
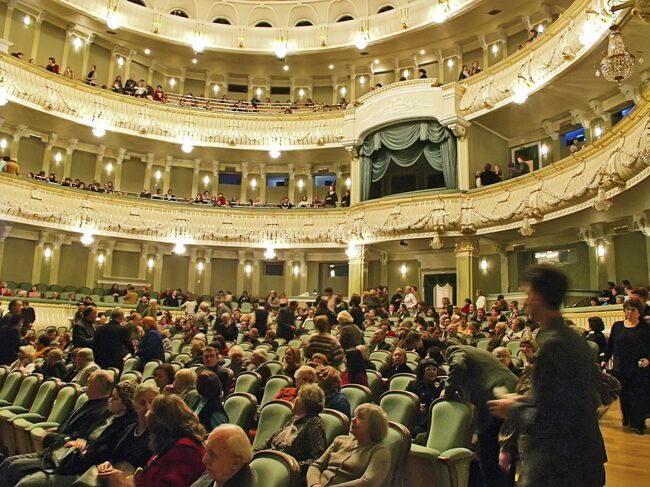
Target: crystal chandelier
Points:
(617, 63)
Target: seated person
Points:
(210, 409)
(304, 375)
(330, 381)
(303, 437)
(53, 366)
(163, 376)
(176, 441)
(25, 360)
(291, 361)
(398, 366)
(355, 368)
(503, 355)
(79, 424)
(427, 387)
(227, 455)
(185, 387)
(360, 458)
(237, 362)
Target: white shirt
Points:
(480, 302)
(410, 301)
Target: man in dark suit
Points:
(80, 424)
(226, 327)
(564, 445)
(286, 322)
(378, 341)
(83, 330)
(111, 341)
(10, 332)
(151, 346)
(475, 374)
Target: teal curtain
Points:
(404, 144)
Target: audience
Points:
(228, 453)
(329, 379)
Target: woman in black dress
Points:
(629, 347)
(427, 387)
(596, 335)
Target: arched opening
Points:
(345, 18)
(263, 23)
(179, 13)
(138, 2)
(221, 20)
(304, 23)
(385, 8)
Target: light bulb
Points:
(332, 273)
(157, 175)
(352, 251)
(301, 184)
(258, 92)
(253, 183)
(376, 61)
(285, 67)
(348, 182)
(589, 33)
(99, 129)
(598, 131)
(544, 149)
(3, 144)
(206, 180)
(194, 60)
(199, 266)
(403, 269)
(47, 252)
(362, 80)
(179, 248)
(422, 52)
(540, 28)
(147, 51)
(58, 157)
(77, 42)
(101, 259)
(87, 237)
(520, 94)
(187, 147)
(113, 20)
(215, 88)
(198, 43)
(109, 168)
(450, 62)
(27, 20)
(439, 14)
(120, 61)
(172, 82)
(281, 49)
(301, 92)
(495, 49)
(269, 253)
(484, 265)
(248, 269)
(405, 73)
(343, 90)
(150, 263)
(601, 250)
(275, 151)
(330, 67)
(296, 270)
(361, 41)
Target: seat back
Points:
(273, 416)
(4, 372)
(383, 355)
(296, 342)
(274, 469)
(483, 343)
(182, 358)
(131, 363)
(398, 442)
(335, 424)
(176, 346)
(375, 383)
(149, 367)
(27, 392)
(450, 425)
(412, 356)
(594, 349)
(274, 366)
(245, 307)
(401, 407)
(240, 408)
(81, 400)
(11, 386)
(281, 351)
(399, 382)
(131, 375)
(248, 382)
(64, 403)
(356, 395)
(513, 346)
(273, 386)
(45, 397)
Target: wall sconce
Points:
(544, 150)
(58, 157)
(269, 253)
(405, 73)
(258, 92)
(27, 20)
(296, 270)
(253, 183)
(47, 252)
(157, 175)
(109, 168)
(120, 61)
(348, 183)
(172, 82)
(206, 180)
(450, 62)
(301, 92)
(332, 273)
(495, 48)
(248, 269)
(150, 263)
(484, 265)
(343, 90)
(601, 250)
(403, 269)
(301, 184)
(598, 131)
(77, 43)
(200, 266)
(215, 88)
(101, 259)
(3, 144)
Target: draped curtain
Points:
(404, 144)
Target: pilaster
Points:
(119, 162)
(466, 252)
(67, 161)
(292, 184)
(167, 175)
(262, 183)
(255, 283)
(215, 178)
(243, 195)
(357, 270)
(195, 177)
(5, 230)
(38, 22)
(147, 171)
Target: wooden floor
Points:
(628, 453)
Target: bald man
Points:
(227, 455)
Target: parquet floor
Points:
(628, 453)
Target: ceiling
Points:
(458, 31)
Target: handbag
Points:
(90, 478)
(59, 458)
(609, 388)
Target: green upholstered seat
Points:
(131, 363)
(390, 340)
(186, 349)
(25, 286)
(274, 366)
(594, 348)
(177, 345)
(99, 291)
(281, 351)
(85, 290)
(413, 356)
(39, 430)
(246, 308)
(356, 395)
(4, 371)
(12, 285)
(241, 407)
(380, 365)
(56, 288)
(382, 355)
(41, 288)
(266, 346)
(149, 367)
(69, 289)
(401, 407)
(248, 382)
(375, 384)
(39, 409)
(273, 386)
(412, 365)
(398, 442)
(273, 416)
(24, 395)
(447, 449)
(272, 468)
(182, 357)
(513, 346)
(399, 382)
(483, 343)
(246, 346)
(48, 294)
(335, 424)
(297, 343)
(131, 375)
(61, 408)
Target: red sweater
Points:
(180, 466)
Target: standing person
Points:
(410, 301)
(559, 416)
(261, 314)
(331, 198)
(629, 347)
(10, 332)
(29, 316)
(151, 345)
(476, 374)
(111, 341)
(286, 322)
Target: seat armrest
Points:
(457, 461)
(424, 452)
(31, 417)
(13, 409)
(456, 455)
(45, 425)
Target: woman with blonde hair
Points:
(291, 361)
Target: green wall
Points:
(194, 86)
(18, 260)
(22, 35)
(50, 44)
(100, 57)
(224, 276)
(125, 264)
(133, 176)
(181, 182)
(631, 258)
(515, 40)
(30, 154)
(485, 147)
(374, 274)
(83, 167)
(73, 265)
(396, 279)
(488, 281)
(175, 271)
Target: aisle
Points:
(628, 453)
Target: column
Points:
(304, 286)
(99, 162)
(465, 179)
(340, 184)
(66, 47)
(47, 153)
(335, 90)
(195, 177)
(119, 162)
(309, 183)
(288, 276)
(181, 82)
(142, 262)
(241, 274)
(244, 183)
(111, 66)
(67, 161)
(92, 265)
(215, 178)
(262, 183)
(15, 140)
(38, 260)
(8, 19)
(150, 72)
(157, 271)
(355, 176)
(127, 63)
(466, 252)
(383, 269)
(206, 87)
(255, 283)
(38, 21)
(352, 93)
(504, 267)
(147, 171)
(358, 271)
(107, 269)
(192, 273)
(167, 175)
(5, 230)
(85, 57)
(249, 88)
(54, 261)
(206, 278)
(292, 184)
